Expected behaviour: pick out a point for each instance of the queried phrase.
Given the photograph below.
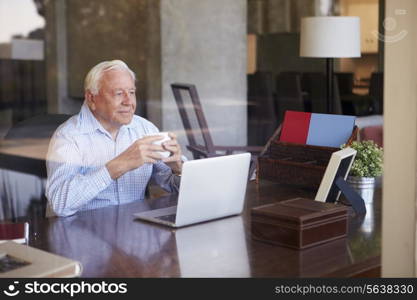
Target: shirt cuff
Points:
(103, 178)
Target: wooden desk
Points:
(110, 243)
(24, 155)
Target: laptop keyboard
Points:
(169, 218)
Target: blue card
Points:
(330, 130)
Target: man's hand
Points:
(140, 152)
(174, 160)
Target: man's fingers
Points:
(170, 159)
(172, 149)
(170, 143)
(153, 147)
(150, 161)
(172, 146)
(150, 147)
(150, 152)
(172, 135)
(154, 155)
(151, 138)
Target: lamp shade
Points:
(330, 37)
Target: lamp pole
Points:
(329, 93)
(330, 37)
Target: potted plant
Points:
(367, 165)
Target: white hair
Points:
(92, 80)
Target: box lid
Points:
(300, 211)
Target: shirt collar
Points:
(88, 123)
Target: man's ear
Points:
(91, 101)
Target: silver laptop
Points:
(210, 188)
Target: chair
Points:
(262, 119)
(345, 81)
(376, 91)
(314, 83)
(373, 133)
(337, 103)
(352, 104)
(23, 174)
(40, 126)
(289, 93)
(198, 134)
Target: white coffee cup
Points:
(166, 137)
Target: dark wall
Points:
(104, 30)
(22, 87)
(279, 52)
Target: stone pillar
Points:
(204, 43)
(399, 226)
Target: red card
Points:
(17, 232)
(295, 127)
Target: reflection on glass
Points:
(367, 195)
(366, 238)
(213, 249)
(20, 194)
(18, 19)
(108, 243)
(22, 167)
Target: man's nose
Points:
(128, 98)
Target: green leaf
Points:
(368, 161)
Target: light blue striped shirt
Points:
(77, 176)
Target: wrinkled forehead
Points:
(117, 79)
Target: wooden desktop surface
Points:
(110, 243)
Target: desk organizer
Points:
(296, 164)
(299, 223)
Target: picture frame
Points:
(339, 166)
(334, 181)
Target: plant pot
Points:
(365, 187)
(361, 182)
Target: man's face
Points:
(115, 103)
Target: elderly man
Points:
(105, 154)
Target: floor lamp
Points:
(330, 37)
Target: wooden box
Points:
(299, 223)
(296, 164)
